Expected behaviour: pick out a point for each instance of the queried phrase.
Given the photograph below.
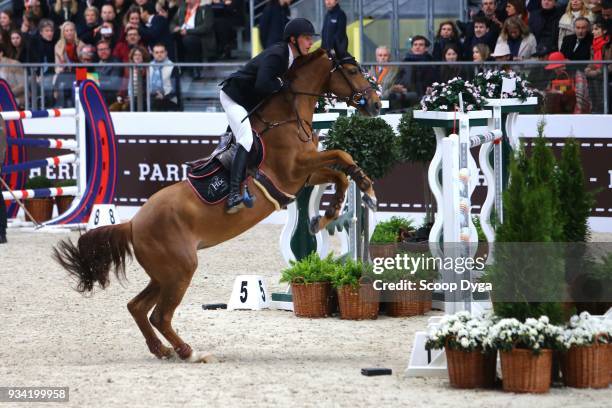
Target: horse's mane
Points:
(303, 61)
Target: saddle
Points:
(209, 176)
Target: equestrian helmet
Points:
(297, 27)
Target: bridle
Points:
(357, 98)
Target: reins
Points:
(357, 97)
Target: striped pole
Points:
(39, 193)
(36, 114)
(48, 143)
(35, 164)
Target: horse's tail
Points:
(90, 260)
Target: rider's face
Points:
(304, 43)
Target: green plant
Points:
(388, 231)
(310, 269)
(65, 183)
(529, 272)
(370, 141)
(350, 272)
(37, 182)
(575, 201)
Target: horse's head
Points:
(347, 81)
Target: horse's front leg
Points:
(324, 176)
(313, 161)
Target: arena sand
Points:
(53, 336)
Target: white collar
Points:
(291, 57)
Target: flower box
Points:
(471, 369)
(524, 371)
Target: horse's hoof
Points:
(370, 202)
(313, 225)
(166, 353)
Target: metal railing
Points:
(38, 86)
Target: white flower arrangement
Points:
(445, 96)
(534, 334)
(584, 330)
(490, 85)
(460, 331)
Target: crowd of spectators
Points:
(160, 32)
(513, 30)
(115, 31)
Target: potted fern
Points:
(402, 300)
(41, 208)
(387, 234)
(357, 298)
(310, 280)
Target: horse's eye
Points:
(353, 71)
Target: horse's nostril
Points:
(378, 105)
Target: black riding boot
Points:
(234, 201)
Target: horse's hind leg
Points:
(171, 295)
(139, 307)
(322, 176)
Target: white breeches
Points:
(235, 113)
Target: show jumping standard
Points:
(174, 223)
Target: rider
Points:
(251, 84)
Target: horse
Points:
(168, 230)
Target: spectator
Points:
(575, 9)
(414, 80)
(594, 72)
(447, 34)
(273, 21)
(65, 10)
(43, 43)
(130, 20)
(155, 29)
(385, 75)
(123, 48)
(502, 52)
(447, 72)
(561, 92)
(533, 5)
(37, 10)
(87, 55)
(227, 15)
(544, 24)
(481, 35)
(121, 8)
(13, 74)
(162, 75)
(538, 77)
(109, 30)
(66, 52)
(481, 53)
(136, 85)
(496, 17)
(577, 47)
(193, 26)
(6, 21)
(109, 76)
(19, 50)
(595, 7)
(87, 29)
(333, 34)
(517, 8)
(516, 36)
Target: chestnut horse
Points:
(174, 223)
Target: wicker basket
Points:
(312, 299)
(63, 203)
(609, 347)
(383, 250)
(405, 303)
(40, 208)
(471, 369)
(586, 367)
(523, 371)
(358, 303)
